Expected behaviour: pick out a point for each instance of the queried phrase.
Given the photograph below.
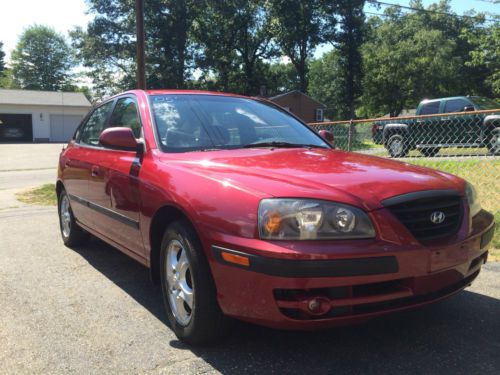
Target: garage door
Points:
(62, 127)
(15, 128)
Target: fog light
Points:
(314, 305)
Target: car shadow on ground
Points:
(460, 335)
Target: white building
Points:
(40, 116)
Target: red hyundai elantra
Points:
(242, 211)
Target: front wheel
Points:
(397, 146)
(188, 290)
(494, 142)
(72, 235)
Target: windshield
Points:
(205, 122)
(485, 103)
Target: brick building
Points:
(301, 105)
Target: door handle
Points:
(95, 171)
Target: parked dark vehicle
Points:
(430, 134)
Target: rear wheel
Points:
(188, 290)
(430, 151)
(72, 234)
(397, 146)
(494, 142)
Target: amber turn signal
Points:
(236, 259)
(273, 223)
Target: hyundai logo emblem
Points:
(437, 217)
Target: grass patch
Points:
(44, 195)
(483, 174)
(365, 144)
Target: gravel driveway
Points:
(94, 310)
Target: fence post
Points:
(350, 134)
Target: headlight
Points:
(472, 198)
(304, 219)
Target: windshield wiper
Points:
(279, 144)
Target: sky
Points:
(63, 15)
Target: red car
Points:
(242, 211)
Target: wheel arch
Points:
(162, 218)
(391, 129)
(492, 121)
(59, 187)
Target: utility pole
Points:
(139, 26)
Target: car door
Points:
(462, 129)
(427, 130)
(114, 182)
(77, 166)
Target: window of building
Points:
(319, 115)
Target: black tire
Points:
(397, 146)
(430, 151)
(494, 142)
(75, 236)
(207, 323)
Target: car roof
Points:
(445, 98)
(181, 92)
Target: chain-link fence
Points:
(465, 143)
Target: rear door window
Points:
(429, 108)
(456, 105)
(90, 132)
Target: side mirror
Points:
(469, 108)
(327, 136)
(119, 138)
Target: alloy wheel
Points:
(494, 145)
(397, 147)
(65, 216)
(180, 287)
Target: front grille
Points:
(416, 214)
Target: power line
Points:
(426, 10)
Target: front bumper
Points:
(348, 285)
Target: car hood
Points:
(348, 177)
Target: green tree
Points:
(410, 56)
(107, 47)
(349, 39)
(2, 59)
(6, 80)
(234, 38)
(326, 84)
(298, 27)
(486, 55)
(280, 78)
(42, 60)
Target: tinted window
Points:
(429, 108)
(92, 129)
(125, 114)
(456, 105)
(194, 122)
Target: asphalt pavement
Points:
(93, 310)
